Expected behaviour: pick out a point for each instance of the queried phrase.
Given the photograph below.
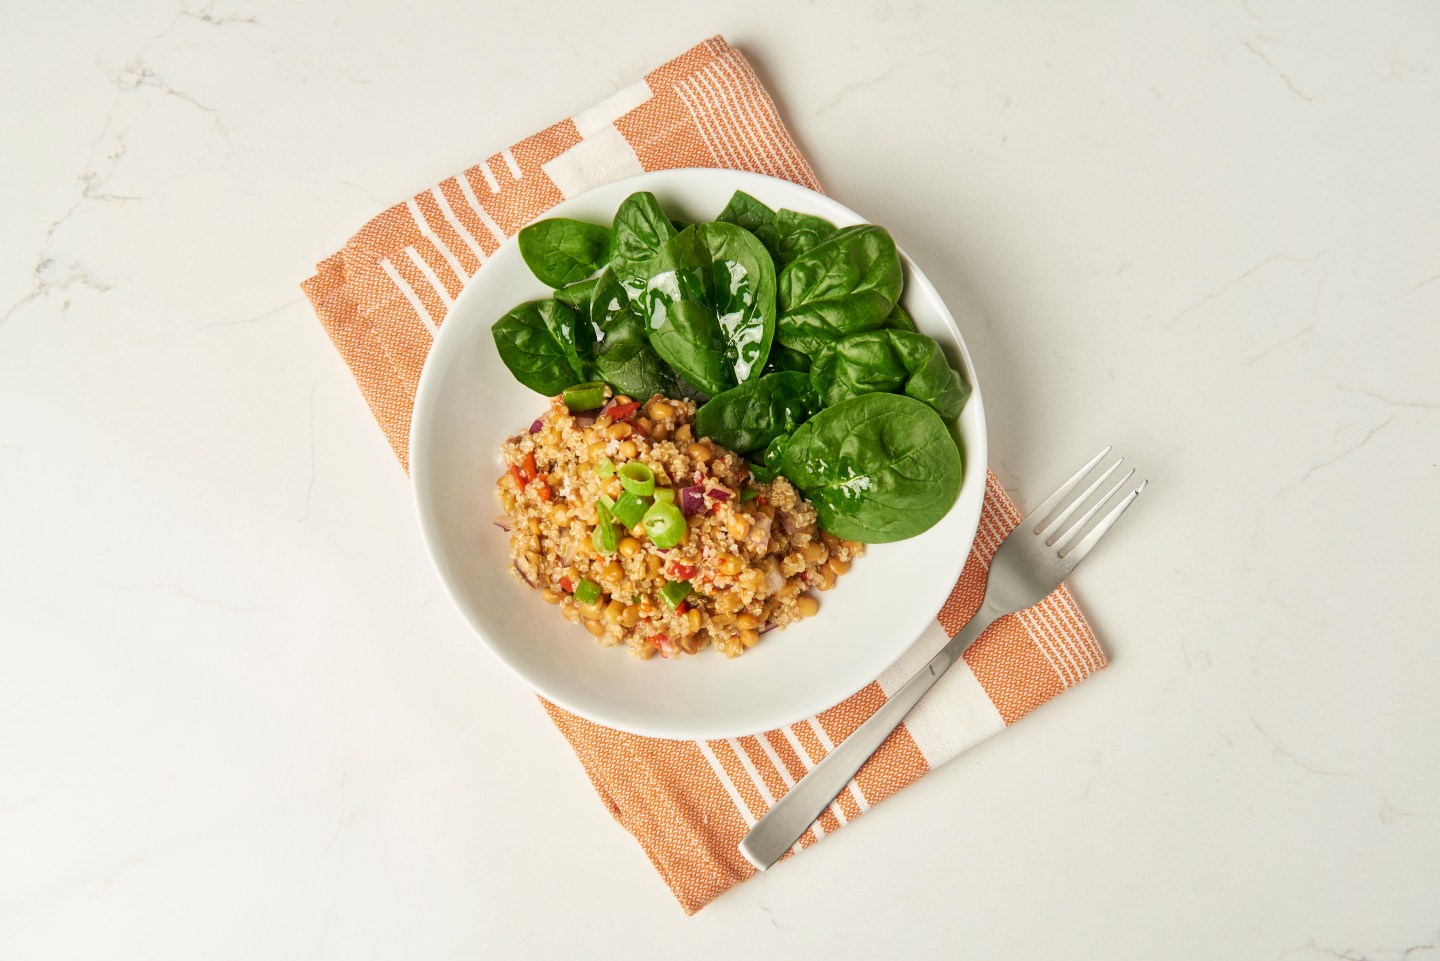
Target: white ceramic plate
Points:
(468, 403)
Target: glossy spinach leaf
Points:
(542, 343)
(846, 285)
(786, 234)
(798, 233)
(932, 380)
(624, 358)
(641, 229)
(888, 361)
(878, 468)
(899, 320)
(749, 417)
(864, 363)
(745, 211)
(783, 358)
(709, 305)
(577, 296)
(561, 251)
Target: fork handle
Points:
(788, 819)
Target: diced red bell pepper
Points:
(519, 477)
(530, 472)
(567, 585)
(621, 412)
(680, 572)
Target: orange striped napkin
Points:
(688, 803)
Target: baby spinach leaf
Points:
(888, 361)
(745, 211)
(577, 296)
(748, 417)
(624, 358)
(560, 251)
(863, 363)
(709, 305)
(799, 233)
(542, 342)
(641, 229)
(899, 320)
(783, 358)
(786, 234)
(878, 468)
(848, 284)
(932, 380)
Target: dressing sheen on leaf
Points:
(709, 305)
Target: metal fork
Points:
(1032, 561)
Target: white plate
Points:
(468, 403)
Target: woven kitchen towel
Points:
(688, 803)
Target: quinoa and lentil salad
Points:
(654, 538)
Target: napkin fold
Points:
(384, 296)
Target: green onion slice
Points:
(637, 478)
(630, 509)
(605, 539)
(664, 525)
(587, 592)
(674, 592)
(605, 468)
(584, 396)
(664, 495)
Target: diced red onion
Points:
(768, 628)
(692, 500)
(523, 576)
(719, 493)
(787, 521)
(503, 522)
(584, 419)
(535, 427)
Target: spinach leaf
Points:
(888, 361)
(641, 229)
(932, 380)
(542, 343)
(624, 358)
(560, 251)
(785, 233)
(848, 284)
(878, 468)
(899, 320)
(799, 233)
(783, 358)
(709, 305)
(748, 417)
(745, 211)
(577, 296)
(863, 363)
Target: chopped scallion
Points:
(665, 525)
(674, 592)
(636, 478)
(584, 396)
(630, 509)
(587, 592)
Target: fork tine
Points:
(1047, 533)
(1043, 511)
(1077, 553)
(1079, 525)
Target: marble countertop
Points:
(239, 719)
